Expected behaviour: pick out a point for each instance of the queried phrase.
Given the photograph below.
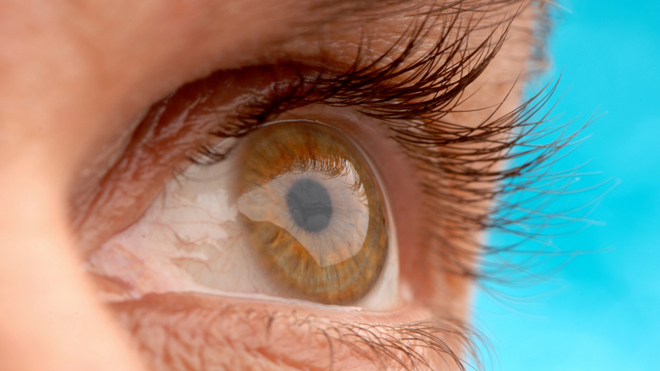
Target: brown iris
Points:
(312, 211)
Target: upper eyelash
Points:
(414, 108)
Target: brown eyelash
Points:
(410, 346)
(412, 95)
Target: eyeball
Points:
(294, 212)
(314, 215)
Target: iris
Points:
(312, 210)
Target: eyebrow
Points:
(320, 13)
(389, 7)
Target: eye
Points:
(312, 212)
(293, 211)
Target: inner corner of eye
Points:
(296, 212)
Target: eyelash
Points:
(414, 109)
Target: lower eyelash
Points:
(409, 345)
(414, 113)
(449, 152)
(415, 346)
(414, 110)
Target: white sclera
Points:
(189, 240)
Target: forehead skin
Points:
(74, 73)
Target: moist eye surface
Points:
(313, 211)
(294, 211)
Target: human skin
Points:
(75, 77)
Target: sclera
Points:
(191, 240)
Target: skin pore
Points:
(82, 157)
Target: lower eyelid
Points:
(199, 332)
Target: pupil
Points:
(310, 205)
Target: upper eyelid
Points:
(277, 97)
(381, 79)
(411, 329)
(362, 80)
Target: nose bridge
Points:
(48, 316)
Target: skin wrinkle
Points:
(72, 78)
(161, 143)
(359, 343)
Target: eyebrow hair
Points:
(360, 11)
(344, 8)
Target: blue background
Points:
(601, 311)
